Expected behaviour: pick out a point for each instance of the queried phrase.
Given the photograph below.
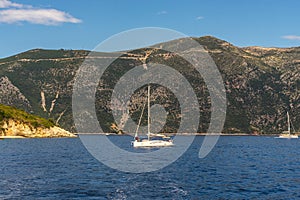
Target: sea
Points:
(238, 167)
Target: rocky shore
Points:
(17, 129)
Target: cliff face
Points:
(11, 95)
(15, 122)
(16, 128)
(261, 85)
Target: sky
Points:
(83, 24)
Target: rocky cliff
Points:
(14, 122)
(16, 128)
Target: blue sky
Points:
(82, 24)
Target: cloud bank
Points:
(291, 37)
(17, 13)
(163, 12)
(8, 4)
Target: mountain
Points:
(15, 122)
(261, 85)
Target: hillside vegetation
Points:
(10, 113)
(18, 123)
(261, 85)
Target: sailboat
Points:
(163, 140)
(287, 134)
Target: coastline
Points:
(22, 137)
(188, 134)
(12, 137)
(113, 134)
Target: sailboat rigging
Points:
(287, 134)
(150, 142)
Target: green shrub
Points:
(7, 112)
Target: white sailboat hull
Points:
(148, 142)
(152, 143)
(288, 136)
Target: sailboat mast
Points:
(148, 112)
(288, 120)
(140, 120)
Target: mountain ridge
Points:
(209, 38)
(261, 83)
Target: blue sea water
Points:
(239, 167)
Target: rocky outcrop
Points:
(16, 128)
(11, 95)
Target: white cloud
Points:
(199, 18)
(16, 13)
(163, 12)
(9, 4)
(36, 16)
(291, 37)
